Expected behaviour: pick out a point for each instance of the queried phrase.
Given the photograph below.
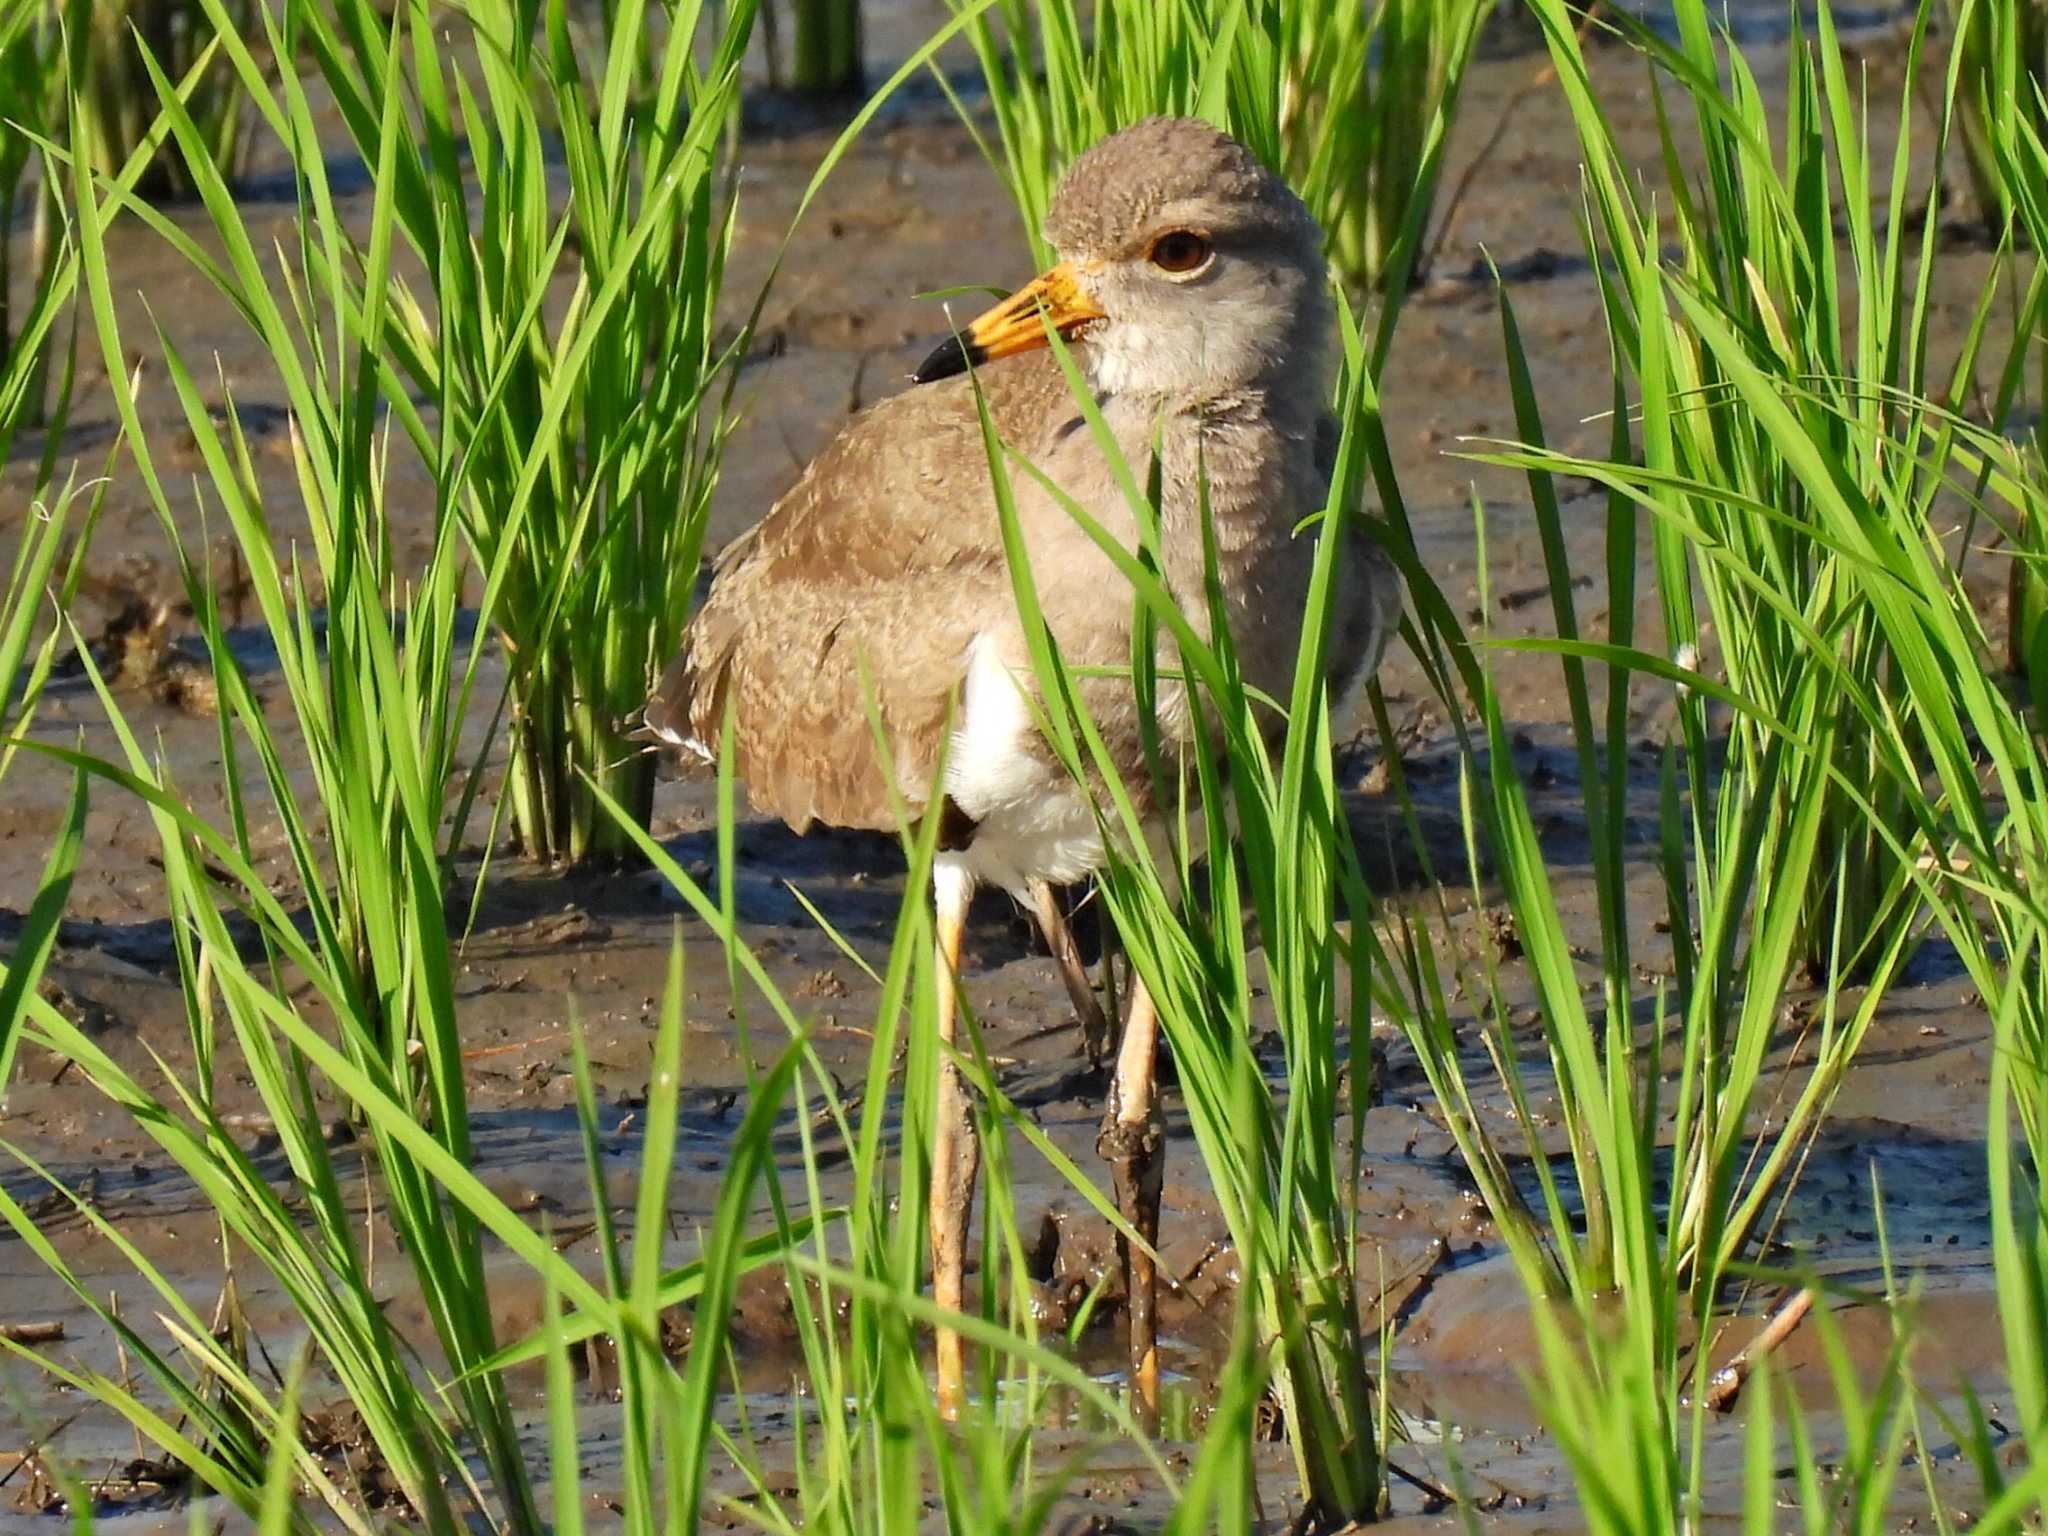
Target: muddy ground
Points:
(914, 208)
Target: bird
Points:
(1192, 292)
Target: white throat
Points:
(1196, 364)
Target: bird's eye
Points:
(1179, 252)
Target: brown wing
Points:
(881, 563)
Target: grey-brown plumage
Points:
(882, 565)
(1193, 288)
(873, 575)
(885, 556)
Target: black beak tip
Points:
(951, 356)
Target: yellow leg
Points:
(1059, 938)
(955, 1153)
(1134, 1143)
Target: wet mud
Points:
(914, 208)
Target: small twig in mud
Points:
(1201, 1263)
(1726, 1384)
(831, 1026)
(32, 1453)
(32, 1333)
(1418, 1278)
(1438, 1499)
(1791, 1180)
(517, 1045)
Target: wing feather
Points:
(868, 581)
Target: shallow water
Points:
(1766, 21)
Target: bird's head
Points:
(1187, 268)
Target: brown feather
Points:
(883, 560)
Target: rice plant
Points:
(30, 59)
(1845, 324)
(1367, 95)
(2001, 55)
(1874, 773)
(377, 697)
(825, 50)
(1600, 1404)
(355, 1002)
(1351, 102)
(39, 586)
(42, 579)
(35, 598)
(575, 445)
(1979, 831)
(1948, 745)
(2010, 148)
(1985, 755)
(1794, 847)
(1669, 1183)
(112, 44)
(873, 1453)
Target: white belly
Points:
(1033, 823)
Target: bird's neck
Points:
(1248, 451)
(1293, 385)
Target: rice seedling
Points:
(1981, 829)
(1977, 833)
(1672, 1183)
(2009, 149)
(825, 50)
(872, 1452)
(1601, 1404)
(378, 691)
(575, 444)
(41, 583)
(1794, 484)
(1976, 830)
(1944, 768)
(36, 57)
(36, 596)
(377, 697)
(378, 970)
(31, 600)
(1792, 847)
(870, 1407)
(1876, 478)
(1352, 103)
(2001, 57)
(1368, 95)
(111, 42)
(1846, 323)
(28, 62)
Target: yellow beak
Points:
(1014, 324)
